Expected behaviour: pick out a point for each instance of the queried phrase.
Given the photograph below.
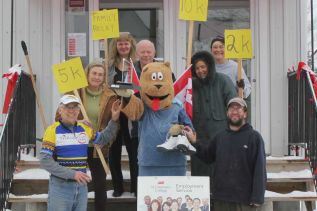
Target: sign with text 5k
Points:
(173, 188)
(70, 75)
(238, 44)
(105, 24)
(195, 10)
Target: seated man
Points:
(64, 154)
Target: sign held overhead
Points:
(238, 44)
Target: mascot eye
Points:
(160, 76)
(153, 76)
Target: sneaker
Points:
(184, 145)
(168, 145)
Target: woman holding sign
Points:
(97, 100)
(229, 67)
(123, 47)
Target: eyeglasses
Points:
(68, 107)
(235, 108)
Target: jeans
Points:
(66, 195)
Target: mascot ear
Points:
(167, 64)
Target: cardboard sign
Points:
(70, 75)
(162, 189)
(238, 44)
(195, 10)
(105, 24)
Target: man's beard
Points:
(235, 123)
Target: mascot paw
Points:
(176, 130)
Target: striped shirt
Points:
(69, 147)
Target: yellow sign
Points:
(195, 10)
(105, 24)
(70, 75)
(238, 44)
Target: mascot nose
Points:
(158, 86)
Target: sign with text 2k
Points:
(238, 44)
(195, 10)
(70, 75)
(105, 24)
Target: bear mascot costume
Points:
(156, 114)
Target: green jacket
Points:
(210, 98)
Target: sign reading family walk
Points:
(70, 75)
(105, 24)
(195, 10)
(238, 44)
(168, 188)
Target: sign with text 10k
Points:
(195, 10)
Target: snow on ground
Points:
(291, 194)
(290, 174)
(32, 174)
(285, 158)
(91, 195)
(28, 157)
(43, 174)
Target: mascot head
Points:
(157, 90)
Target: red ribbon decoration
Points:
(12, 79)
(304, 66)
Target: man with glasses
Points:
(238, 156)
(64, 154)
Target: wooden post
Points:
(38, 101)
(106, 62)
(190, 43)
(102, 158)
(240, 76)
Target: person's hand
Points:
(240, 83)
(124, 92)
(86, 122)
(190, 134)
(115, 110)
(81, 177)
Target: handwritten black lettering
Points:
(245, 44)
(63, 75)
(186, 6)
(200, 6)
(231, 46)
(75, 72)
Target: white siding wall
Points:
(278, 36)
(5, 33)
(33, 24)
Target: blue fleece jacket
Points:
(153, 129)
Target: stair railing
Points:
(302, 114)
(18, 130)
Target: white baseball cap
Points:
(238, 100)
(66, 99)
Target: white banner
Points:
(173, 193)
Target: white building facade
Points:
(279, 42)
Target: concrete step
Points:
(126, 202)
(35, 181)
